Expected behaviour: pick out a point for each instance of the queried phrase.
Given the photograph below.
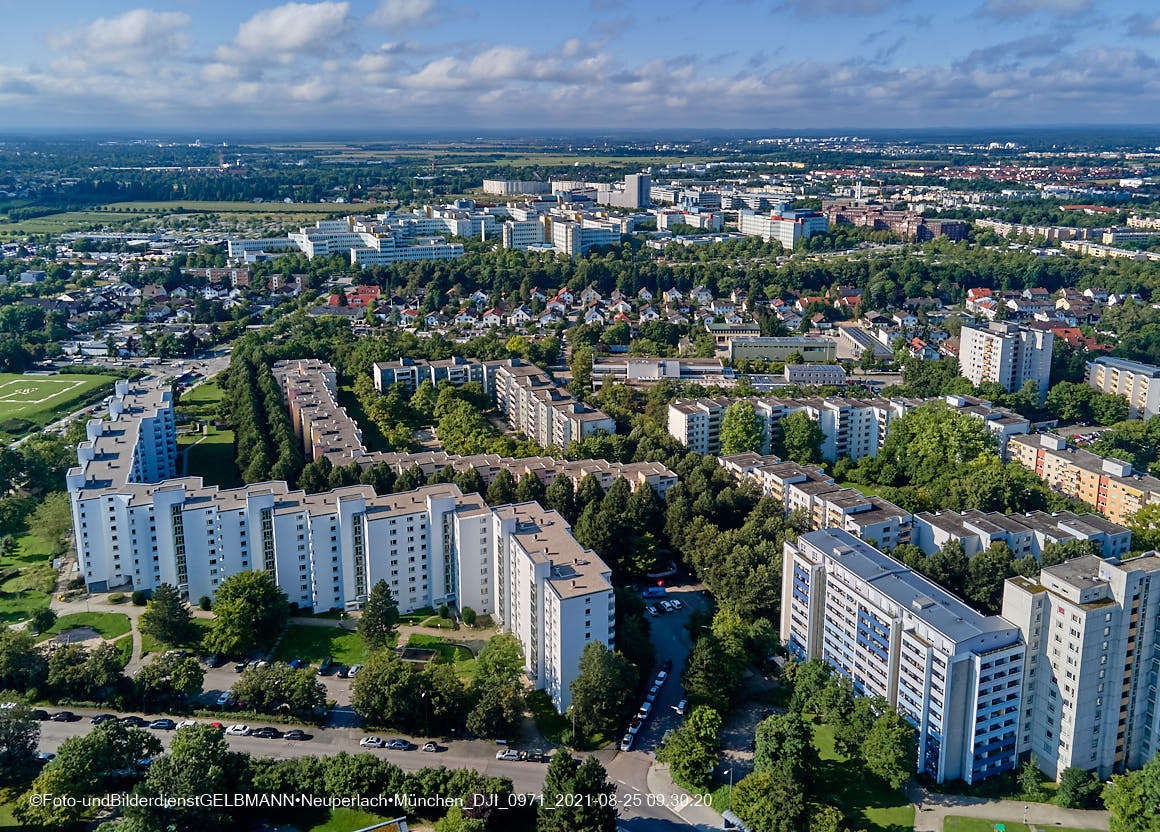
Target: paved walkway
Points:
(680, 801)
(933, 809)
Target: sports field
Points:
(31, 402)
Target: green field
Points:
(201, 402)
(957, 823)
(868, 802)
(460, 656)
(211, 457)
(200, 629)
(313, 644)
(31, 402)
(195, 206)
(346, 820)
(110, 625)
(27, 578)
(64, 221)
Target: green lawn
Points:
(440, 623)
(957, 823)
(417, 617)
(868, 490)
(211, 457)
(27, 578)
(109, 625)
(201, 401)
(458, 655)
(8, 796)
(152, 645)
(313, 644)
(28, 403)
(124, 647)
(240, 206)
(868, 802)
(346, 820)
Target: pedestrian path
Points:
(932, 810)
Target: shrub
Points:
(139, 598)
(117, 598)
(468, 616)
(444, 611)
(204, 603)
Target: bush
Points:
(204, 603)
(444, 611)
(139, 598)
(468, 616)
(117, 598)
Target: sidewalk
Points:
(933, 809)
(660, 783)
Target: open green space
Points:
(8, 795)
(868, 802)
(211, 457)
(200, 628)
(109, 625)
(438, 622)
(201, 402)
(417, 617)
(27, 578)
(63, 222)
(240, 206)
(124, 647)
(868, 490)
(29, 402)
(456, 654)
(957, 823)
(313, 644)
(346, 820)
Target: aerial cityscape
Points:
(424, 417)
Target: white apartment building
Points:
(1090, 685)
(137, 527)
(783, 225)
(411, 372)
(367, 240)
(953, 673)
(523, 234)
(1024, 534)
(533, 404)
(1137, 382)
(511, 187)
(1008, 354)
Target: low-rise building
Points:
(411, 372)
(635, 370)
(779, 348)
(1024, 534)
(833, 375)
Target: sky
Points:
(406, 65)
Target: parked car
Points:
(681, 706)
(661, 677)
(186, 723)
(430, 746)
(324, 666)
(295, 734)
(134, 721)
(354, 668)
(676, 604)
(297, 663)
(267, 733)
(645, 710)
(635, 726)
(371, 742)
(626, 743)
(507, 754)
(99, 718)
(238, 730)
(651, 696)
(240, 666)
(64, 716)
(344, 671)
(41, 714)
(216, 660)
(651, 610)
(227, 698)
(163, 724)
(45, 757)
(398, 744)
(666, 606)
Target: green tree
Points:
(167, 618)
(170, 677)
(42, 620)
(380, 614)
(502, 490)
(1133, 799)
(250, 610)
(456, 821)
(22, 664)
(577, 796)
(784, 741)
(279, 687)
(19, 738)
(530, 489)
(801, 438)
(1078, 788)
(889, 749)
(1031, 781)
(768, 801)
(560, 495)
(600, 692)
(1054, 553)
(497, 712)
(740, 429)
(385, 692)
(690, 760)
(986, 573)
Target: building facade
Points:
(1008, 354)
(954, 674)
(411, 372)
(1137, 382)
(533, 404)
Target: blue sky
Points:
(378, 65)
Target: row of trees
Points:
(264, 441)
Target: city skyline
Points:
(402, 65)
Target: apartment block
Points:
(783, 225)
(1092, 629)
(808, 489)
(1006, 353)
(366, 240)
(533, 404)
(954, 674)
(1108, 484)
(411, 372)
(136, 526)
(1137, 382)
(310, 388)
(1024, 534)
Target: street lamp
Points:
(426, 712)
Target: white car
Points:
(354, 668)
(645, 710)
(635, 726)
(238, 731)
(507, 754)
(675, 604)
(626, 743)
(186, 723)
(371, 742)
(680, 706)
(651, 696)
(661, 677)
(666, 606)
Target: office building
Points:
(512, 187)
(833, 375)
(634, 370)
(783, 225)
(1092, 629)
(411, 372)
(1006, 353)
(1109, 484)
(136, 526)
(954, 674)
(1024, 534)
(366, 240)
(1137, 382)
(534, 405)
(780, 348)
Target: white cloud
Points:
(137, 31)
(292, 27)
(838, 8)
(1024, 8)
(405, 14)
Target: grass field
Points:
(211, 457)
(201, 402)
(27, 578)
(152, 645)
(65, 221)
(110, 625)
(313, 644)
(345, 820)
(31, 402)
(124, 647)
(461, 657)
(195, 206)
(957, 823)
(868, 802)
